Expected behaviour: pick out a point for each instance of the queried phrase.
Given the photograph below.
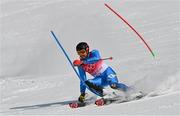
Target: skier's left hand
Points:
(82, 97)
(77, 62)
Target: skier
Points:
(91, 62)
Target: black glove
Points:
(81, 97)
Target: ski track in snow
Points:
(34, 79)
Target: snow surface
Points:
(36, 79)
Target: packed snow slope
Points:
(36, 79)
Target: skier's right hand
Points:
(81, 97)
(77, 62)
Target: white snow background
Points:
(35, 73)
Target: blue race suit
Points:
(103, 74)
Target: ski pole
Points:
(109, 58)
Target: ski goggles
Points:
(81, 52)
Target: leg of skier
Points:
(113, 81)
(95, 84)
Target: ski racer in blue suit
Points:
(91, 62)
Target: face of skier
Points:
(82, 53)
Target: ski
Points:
(107, 101)
(77, 104)
(80, 104)
(88, 101)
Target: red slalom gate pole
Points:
(125, 21)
